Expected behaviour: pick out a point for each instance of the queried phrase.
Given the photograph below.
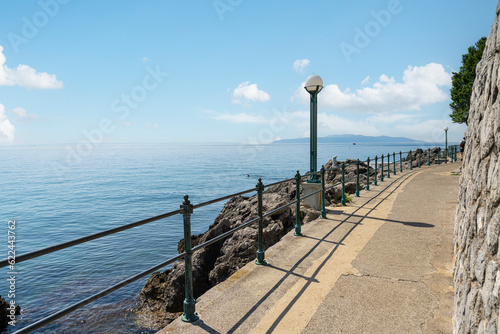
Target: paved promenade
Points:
(383, 264)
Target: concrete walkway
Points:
(383, 264)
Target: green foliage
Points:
(348, 198)
(462, 82)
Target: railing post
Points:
(376, 167)
(368, 174)
(342, 201)
(428, 157)
(400, 161)
(455, 151)
(446, 155)
(388, 165)
(411, 161)
(260, 250)
(357, 178)
(297, 205)
(323, 210)
(439, 153)
(419, 153)
(189, 303)
(382, 169)
(394, 162)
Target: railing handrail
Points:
(190, 251)
(88, 300)
(78, 241)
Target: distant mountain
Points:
(346, 139)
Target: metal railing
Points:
(187, 209)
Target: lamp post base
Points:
(313, 181)
(313, 201)
(260, 258)
(189, 311)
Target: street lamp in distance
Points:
(313, 85)
(446, 143)
(446, 138)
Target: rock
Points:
(5, 312)
(477, 227)
(426, 156)
(332, 177)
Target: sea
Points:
(57, 193)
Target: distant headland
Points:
(348, 138)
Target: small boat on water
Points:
(354, 143)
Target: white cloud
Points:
(329, 124)
(394, 119)
(421, 86)
(19, 112)
(250, 92)
(300, 64)
(6, 128)
(432, 130)
(22, 115)
(152, 126)
(237, 118)
(26, 76)
(145, 60)
(365, 80)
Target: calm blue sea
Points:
(57, 196)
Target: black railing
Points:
(187, 208)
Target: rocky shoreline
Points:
(163, 295)
(8, 313)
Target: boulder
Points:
(424, 155)
(5, 313)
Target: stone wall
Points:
(477, 217)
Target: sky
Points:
(230, 70)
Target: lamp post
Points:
(446, 143)
(313, 86)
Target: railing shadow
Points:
(413, 224)
(202, 325)
(327, 241)
(290, 272)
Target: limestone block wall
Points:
(477, 216)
